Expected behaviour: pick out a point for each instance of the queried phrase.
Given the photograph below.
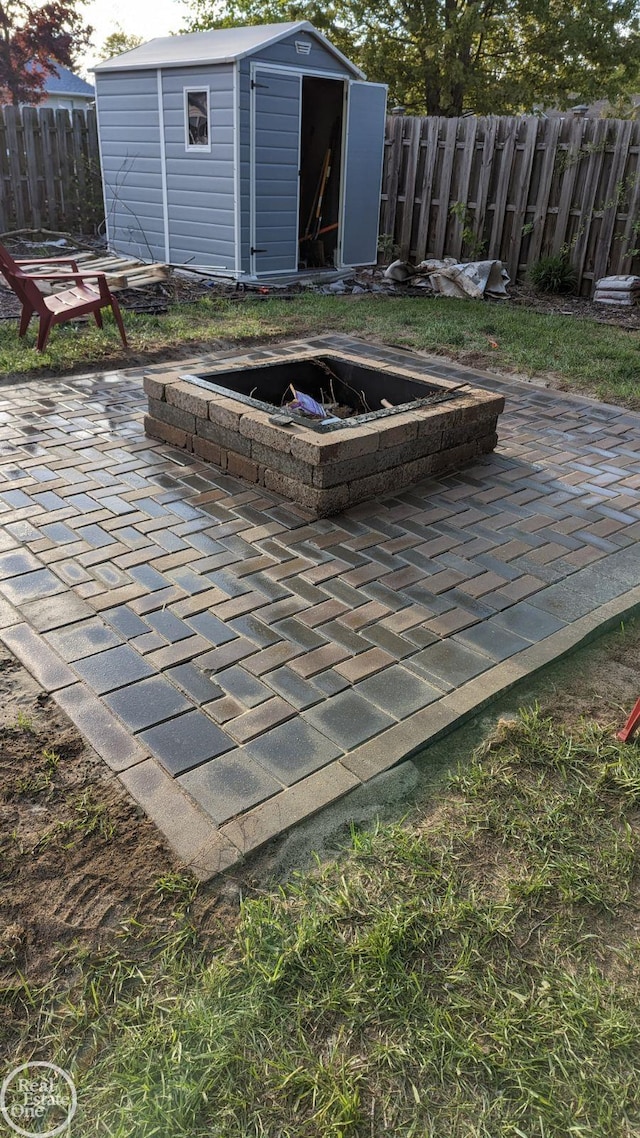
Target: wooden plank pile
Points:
(123, 272)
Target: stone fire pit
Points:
(234, 414)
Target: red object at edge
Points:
(632, 724)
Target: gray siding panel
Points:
(200, 184)
(318, 59)
(129, 128)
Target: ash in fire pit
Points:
(380, 420)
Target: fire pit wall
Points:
(324, 471)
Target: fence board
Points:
(613, 194)
(413, 135)
(433, 127)
(589, 190)
(466, 163)
(444, 194)
(490, 130)
(631, 238)
(522, 197)
(49, 172)
(551, 135)
(531, 187)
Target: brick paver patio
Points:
(238, 666)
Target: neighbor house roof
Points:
(223, 45)
(66, 83)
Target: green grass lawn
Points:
(472, 973)
(573, 353)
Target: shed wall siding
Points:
(318, 59)
(129, 127)
(200, 185)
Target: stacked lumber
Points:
(123, 272)
(617, 290)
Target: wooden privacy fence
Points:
(49, 170)
(515, 189)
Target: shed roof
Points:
(223, 45)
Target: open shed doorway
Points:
(320, 172)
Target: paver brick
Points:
(260, 719)
(178, 653)
(38, 658)
(187, 828)
(100, 727)
(185, 742)
(453, 556)
(364, 665)
(284, 810)
(228, 785)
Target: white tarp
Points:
(473, 279)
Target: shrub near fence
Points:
(49, 170)
(515, 189)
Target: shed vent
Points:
(303, 47)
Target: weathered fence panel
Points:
(515, 189)
(49, 170)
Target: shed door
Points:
(276, 164)
(363, 172)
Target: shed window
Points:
(196, 118)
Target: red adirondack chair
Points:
(82, 299)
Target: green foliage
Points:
(473, 245)
(553, 274)
(387, 249)
(442, 58)
(118, 42)
(473, 975)
(583, 355)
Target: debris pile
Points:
(471, 279)
(617, 290)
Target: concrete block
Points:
(257, 426)
(189, 398)
(167, 413)
(226, 412)
(226, 437)
(209, 451)
(167, 433)
(282, 462)
(242, 467)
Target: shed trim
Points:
(301, 70)
(236, 168)
(196, 148)
(103, 179)
(163, 168)
(343, 172)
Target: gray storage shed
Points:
(246, 152)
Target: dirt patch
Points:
(78, 858)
